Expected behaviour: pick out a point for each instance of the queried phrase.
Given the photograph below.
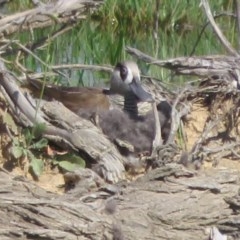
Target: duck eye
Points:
(123, 72)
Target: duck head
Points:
(125, 81)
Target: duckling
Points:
(132, 127)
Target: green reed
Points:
(103, 36)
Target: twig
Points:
(207, 129)
(61, 11)
(160, 83)
(32, 54)
(235, 153)
(18, 64)
(222, 151)
(41, 43)
(217, 30)
(157, 142)
(40, 60)
(222, 148)
(43, 75)
(14, 109)
(175, 118)
(56, 68)
(49, 39)
(237, 4)
(18, 99)
(82, 66)
(203, 29)
(140, 55)
(37, 3)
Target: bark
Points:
(168, 203)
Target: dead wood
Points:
(217, 30)
(237, 4)
(218, 91)
(183, 206)
(225, 67)
(76, 133)
(157, 142)
(61, 11)
(169, 202)
(85, 136)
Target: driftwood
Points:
(62, 11)
(225, 67)
(167, 203)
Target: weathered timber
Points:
(168, 203)
(204, 66)
(61, 11)
(75, 132)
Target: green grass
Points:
(101, 39)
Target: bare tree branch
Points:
(46, 14)
(157, 142)
(217, 30)
(204, 66)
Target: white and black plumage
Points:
(128, 125)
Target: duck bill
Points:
(139, 92)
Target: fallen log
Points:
(167, 203)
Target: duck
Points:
(74, 98)
(129, 125)
(125, 124)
